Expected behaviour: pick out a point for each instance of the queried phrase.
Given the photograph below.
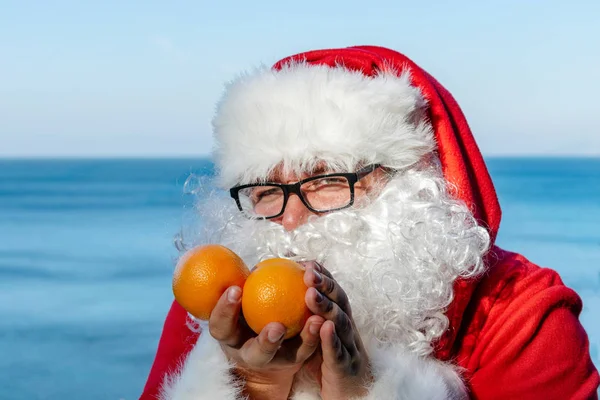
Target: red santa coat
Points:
(515, 331)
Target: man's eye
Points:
(259, 195)
(333, 182)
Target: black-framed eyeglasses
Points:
(320, 194)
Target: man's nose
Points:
(295, 213)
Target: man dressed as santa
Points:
(359, 164)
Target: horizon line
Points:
(207, 157)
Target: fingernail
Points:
(234, 294)
(318, 266)
(317, 278)
(274, 336)
(314, 328)
(319, 297)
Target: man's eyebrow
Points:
(320, 170)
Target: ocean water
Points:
(86, 256)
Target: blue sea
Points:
(86, 256)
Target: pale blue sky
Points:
(140, 78)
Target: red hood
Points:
(461, 159)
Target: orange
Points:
(203, 274)
(274, 292)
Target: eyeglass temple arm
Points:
(367, 170)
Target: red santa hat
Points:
(347, 106)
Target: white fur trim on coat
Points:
(204, 375)
(402, 375)
(399, 375)
(305, 114)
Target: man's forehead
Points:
(282, 174)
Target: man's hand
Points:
(266, 363)
(345, 370)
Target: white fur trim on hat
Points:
(305, 114)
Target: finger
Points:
(259, 351)
(335, 356)
(317, 267)
(329, 287)
(309, 338)
(324, 307)
(223, 323)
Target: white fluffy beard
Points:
(396, 258)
